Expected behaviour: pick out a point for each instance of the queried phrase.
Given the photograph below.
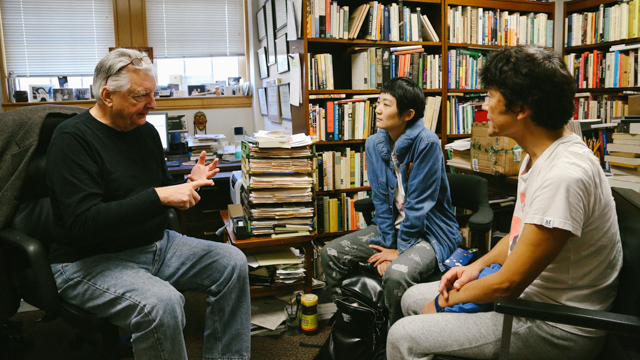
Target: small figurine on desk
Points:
(199, 123)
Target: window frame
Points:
(134, 34)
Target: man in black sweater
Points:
(113, 257)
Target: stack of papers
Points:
(279, 165)
(281, 181)
(289, 274)
(282, 213)
(459, 153)
(279, 139)
(280, 195)
(279, 153)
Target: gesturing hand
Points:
(182, 196)
(200, 171)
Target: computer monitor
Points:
(159, 121)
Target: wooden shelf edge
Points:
(340, 142)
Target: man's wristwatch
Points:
(438, 308)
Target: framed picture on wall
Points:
(273, 100)
(262, 97)
(271, 33)
(285, 106)
(262, 61)
(282, 50)
(280, 13)
(262, 30)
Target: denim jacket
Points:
(428, 210)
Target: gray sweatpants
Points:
(341, 255)
(477, 336)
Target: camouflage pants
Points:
(413, 266)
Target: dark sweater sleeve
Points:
(75, 177)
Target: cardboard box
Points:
(495, 155)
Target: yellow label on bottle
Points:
(309, 322)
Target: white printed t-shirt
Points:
(567, 189)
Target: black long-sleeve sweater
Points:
(101, 183)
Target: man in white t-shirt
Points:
(564, 245)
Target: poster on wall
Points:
(271, 33)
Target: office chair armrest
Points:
(174, 222)
(569, 315)
(46, 296)
(364, 205)
(482, 220)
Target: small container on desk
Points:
(257, 244)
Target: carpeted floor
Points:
(51, 340)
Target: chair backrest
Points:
(468, 191)
(34, 216)
(628, 210)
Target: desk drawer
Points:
(206, 231)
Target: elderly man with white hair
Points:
(112, 256)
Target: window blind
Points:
(50, 38)
(195, 28)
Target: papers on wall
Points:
(295, 78)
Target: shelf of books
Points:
(601, 50)
(350, 48)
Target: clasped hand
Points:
(383, 259)
(454, 279)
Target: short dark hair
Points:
(408, 96)
(536, 77)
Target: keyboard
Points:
(173, 163)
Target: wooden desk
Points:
(258, 244)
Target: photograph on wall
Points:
(82, 94)
(272, 100)
(262, 31)
(262, 61)
(282, 50)
(262, 96)
(280, 13)
(285, 106)
(271, 33)
(41, 93)
(196, 89)
(65, 94)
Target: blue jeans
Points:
(140, 291)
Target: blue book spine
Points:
(393, 66)
(387, 27)
(615, 68)
(569, 30)
(549, 33)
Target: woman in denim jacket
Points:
(414, 229)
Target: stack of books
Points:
(280, 189)
(624, 160)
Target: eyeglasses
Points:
(136, 62)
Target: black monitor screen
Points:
(159, 121)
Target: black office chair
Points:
(27, 240)
(469, 192)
